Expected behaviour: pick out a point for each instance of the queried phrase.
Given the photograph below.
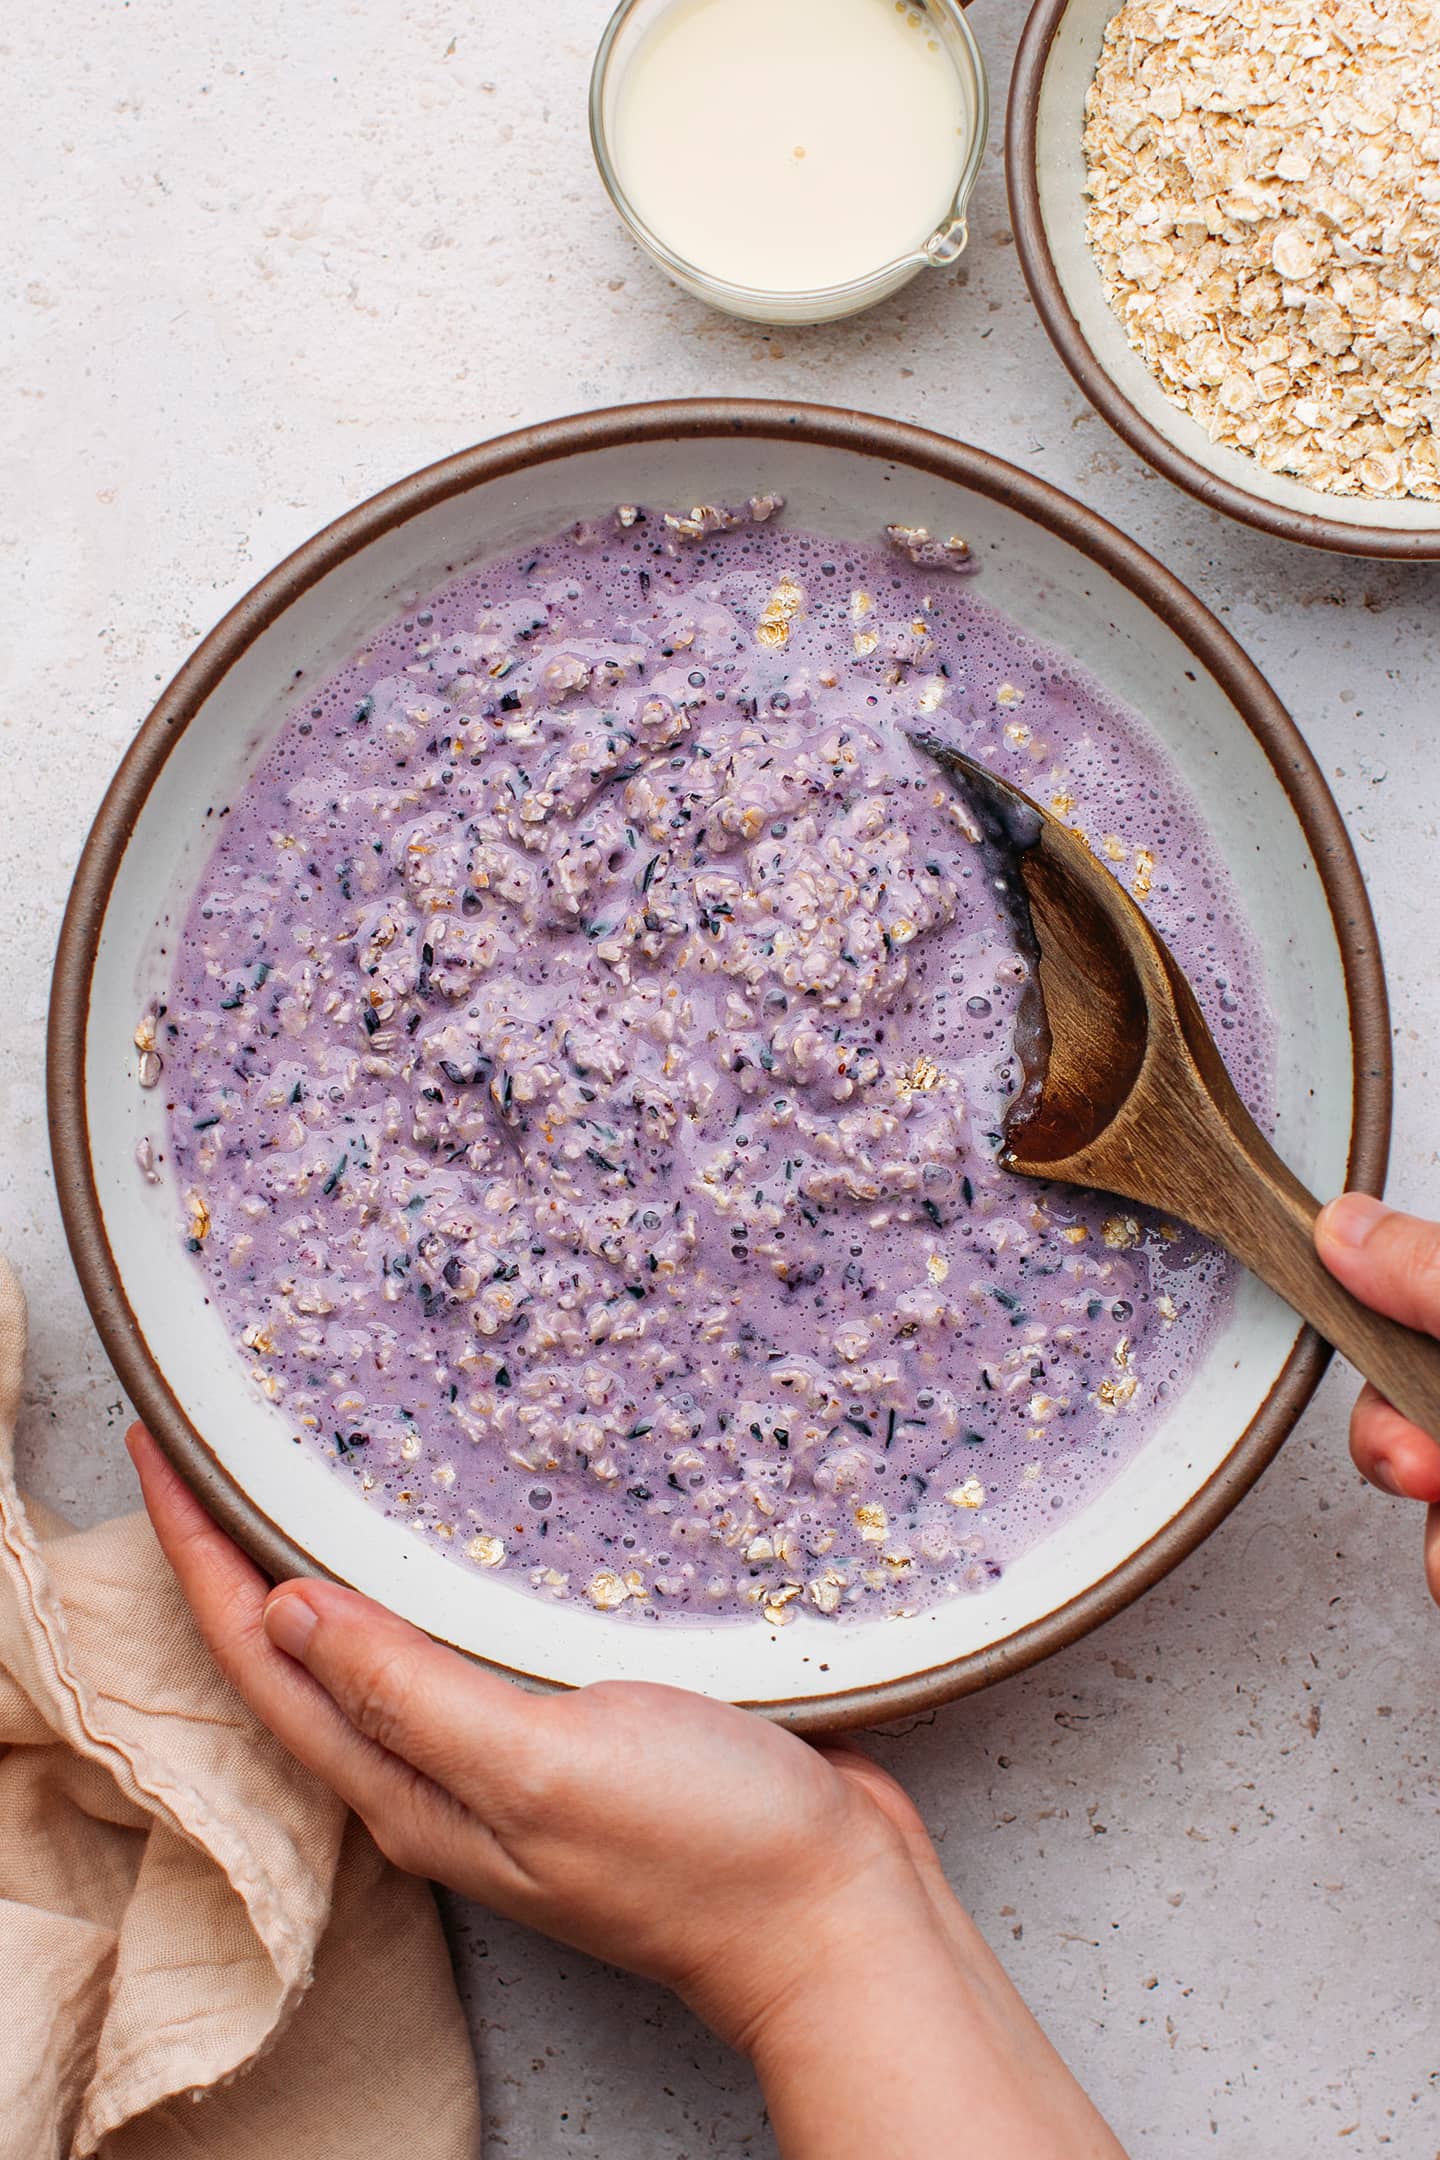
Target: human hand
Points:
(654, 1828)
(1392, 1262)
(789, 1893)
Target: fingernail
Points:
(1350, 1219)
(1386, 1479)
(289, 1622)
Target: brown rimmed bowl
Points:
(1055, 568)
(1045, 168)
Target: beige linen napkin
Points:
(200, 1952)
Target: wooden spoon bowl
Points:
(1126, 1090)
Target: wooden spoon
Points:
(1127, 1091)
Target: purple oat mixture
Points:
(587, 1056)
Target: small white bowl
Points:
(1055, 568)
(1045, 168)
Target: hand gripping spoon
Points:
(1126, 1090)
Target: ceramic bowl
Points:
(1045, 164)
(1056, 569)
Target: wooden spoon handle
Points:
(1266, 1218)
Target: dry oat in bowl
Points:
(1264, 187)
(587, 1055)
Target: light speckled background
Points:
(264, 261)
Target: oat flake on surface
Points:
(1264, 188)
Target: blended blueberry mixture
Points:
(586, 1062)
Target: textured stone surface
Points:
(264, 261)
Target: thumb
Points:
(413, 1697)
(1389, 1261)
